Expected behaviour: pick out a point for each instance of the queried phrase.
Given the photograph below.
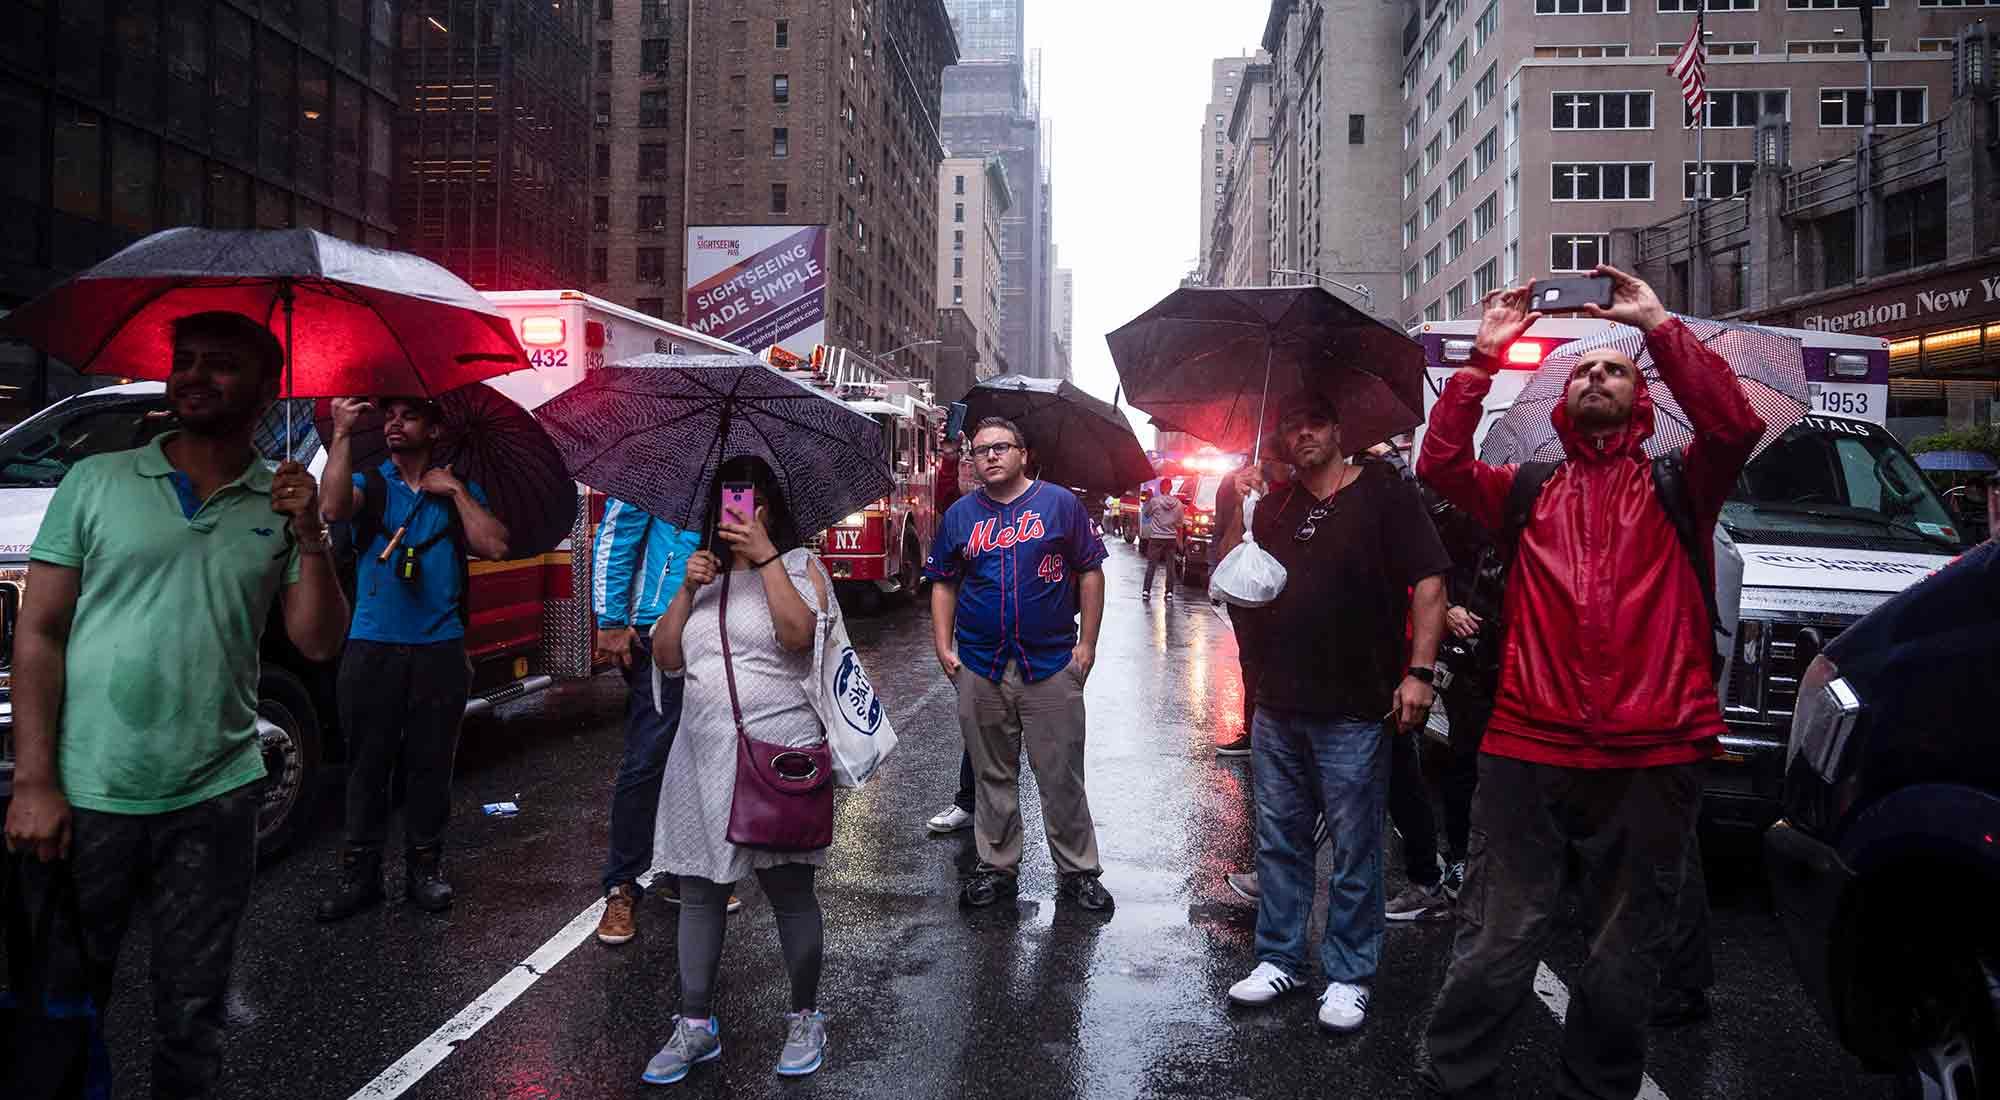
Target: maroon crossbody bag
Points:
(784, 795)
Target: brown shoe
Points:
(620, 922)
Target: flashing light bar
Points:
(1525, 353)
(542, 331)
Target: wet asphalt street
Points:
(925, 1000)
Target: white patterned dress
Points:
(691, 833)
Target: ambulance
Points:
(1824, 525)
(531, 624)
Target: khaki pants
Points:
(996, 720)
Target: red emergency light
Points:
(1525, 353)
(542, 331)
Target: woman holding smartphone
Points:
(776, 590)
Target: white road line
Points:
(1555, 995)
(427, 1055)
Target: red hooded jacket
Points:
(1605, 662)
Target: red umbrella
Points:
(352, 319)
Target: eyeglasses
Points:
(997, 450)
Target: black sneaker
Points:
(1679, 1007)
(1235, 746)
(986, 886)
(1083, 889)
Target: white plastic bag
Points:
(858, 732)
(1249, 576)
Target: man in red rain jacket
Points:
(1606, 703)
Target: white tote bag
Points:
(1248, 576)
(857, 724)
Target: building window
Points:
(1893, 106)
(1456, 298)
(958, 267)
(1580, 7)
(738, 145)
(1410, 228)
(653, 56)
(1726, 178)
(1609, 49)
(1434, 98)
(1913, 227)
(1713, 5)
(652, 265)
(1486, 152)
(1410, 126)
(652, 160)
(1953, 3)
(781, 37)
(958, 240)
(1827, 5)
(958, 213)
(1455, 183)
(1433, 207)
(652, 108)
(651, 307)
(603, 57)
(1577, 251)
(957, 295)
(1715, 49)
(1602, 110)
(1433, 153)
(1455, 71)
(652, 213)
(1739, 110)
(1454, 245)
(1434, 311)
(604, 9)
(1487, 279)
(1513, 123)
(781, 141)
(1410, 177)
(1488, 87)
(1937, 45)
(1410, 283)
(1485, 216)
(1357, 129)
(1513, 191)
(600, 264)
(781, 89)
(600, 212)
(1612, 182)
(1432, 264)
(1811, 46)
(1487, 27)
(601, 106)
(780, 203)
(601, 162)
(1513, 258)
(1454, 127)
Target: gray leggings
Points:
(704, 912)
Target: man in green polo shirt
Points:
(135, 680)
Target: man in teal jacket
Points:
(635, 570)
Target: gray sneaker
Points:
(1419, 902)
(692, 1044)
(805, 1043)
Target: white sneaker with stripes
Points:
(1265, 984)
(1343, 1006)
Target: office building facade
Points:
(973, 199)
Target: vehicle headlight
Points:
(854, 519)
(1826, 714)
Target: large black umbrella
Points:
(655, 429)
(497, 443)
(352, 319)
(1767, 364)
(1220, 364)
(1077, 439)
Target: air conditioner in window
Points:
(600, 226)
(604, 120)
(659, 227)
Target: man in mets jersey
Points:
(1013, 565)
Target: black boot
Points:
(360, 885)
(424, 874)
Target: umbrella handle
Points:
(1263, 401)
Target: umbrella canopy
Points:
(361, 320)
(1077, 439)
(1221, 363)
(655, 429)
(497, 443)
(1964, 462)
(1768, 366)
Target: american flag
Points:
(1690, 68)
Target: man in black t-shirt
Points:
(1363, 565)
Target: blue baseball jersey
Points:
(1017, 567)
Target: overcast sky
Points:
(1125, 85)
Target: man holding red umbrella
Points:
(404, 676)
(139, 764)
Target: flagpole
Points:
(1701, 112)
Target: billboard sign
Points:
(758, 286)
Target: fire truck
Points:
(531, 622)
(879, 548)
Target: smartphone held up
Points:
(1570, 294)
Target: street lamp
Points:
(908, 346)
(1367, 295)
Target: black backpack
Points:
(372, 520)
(1669, 485)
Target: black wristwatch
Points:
(1426, 673)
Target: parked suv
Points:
(1886, 865)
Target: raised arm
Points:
(338, 498)
(1447, 462)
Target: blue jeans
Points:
(635, 801)
(1306, 766)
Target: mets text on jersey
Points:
(987, 534)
